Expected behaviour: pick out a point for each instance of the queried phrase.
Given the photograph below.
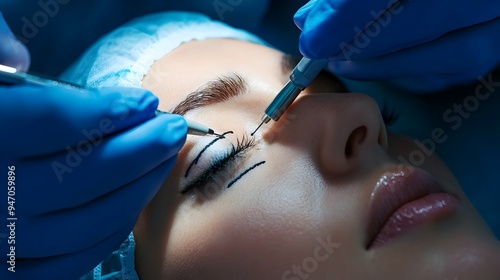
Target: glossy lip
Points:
(393, 190)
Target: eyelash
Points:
(221, 162)
(389, 115)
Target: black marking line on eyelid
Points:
(195, 161)
(243, 173)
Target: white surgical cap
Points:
(124, 56)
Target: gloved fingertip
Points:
(146, 101)
(299, 21)
(175, 132)
(318, 38)
(305, 48)
(305, 9)
(23, 57)
(300, 16)
(130, 102)
(13, 53)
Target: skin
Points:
(271, 223)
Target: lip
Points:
(403, 199)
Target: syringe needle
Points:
(302, 76)
(257, 128)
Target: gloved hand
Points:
(422, 45)
(83, 166)
(12, 52)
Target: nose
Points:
(342, 132)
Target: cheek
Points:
(268, 222)
(269, 225)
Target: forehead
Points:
(192, 64)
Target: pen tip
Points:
(257, 128)
(212, 132)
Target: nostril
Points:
(357, 137)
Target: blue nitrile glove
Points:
(421, 45)
(12, 52)
(84, 164)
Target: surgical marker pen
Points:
(302, 76)
(10, 76)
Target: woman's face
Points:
(317, 195)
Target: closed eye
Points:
(195, 161)
(223, 168)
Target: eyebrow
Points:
(223, 88)
(219, 90)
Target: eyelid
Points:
(195, 161)
(228, 160)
